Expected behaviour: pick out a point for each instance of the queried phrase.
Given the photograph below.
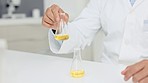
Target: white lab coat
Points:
(125, 28)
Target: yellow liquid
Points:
(77, 73)
(62, 37)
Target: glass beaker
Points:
(61, 32)
(76, 68)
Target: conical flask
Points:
(60, 33)
(77, 70)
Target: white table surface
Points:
(21, 67)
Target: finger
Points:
(145, 80)
(64, 15)
(131, 70)
(66, 18)
(46, 19)
(140, 75)
(50, 15)
(55, 10)
(50, 26)
(47, 24)
(124, 71)
(61, 11)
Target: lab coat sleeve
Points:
(81, 31)
(54, 44)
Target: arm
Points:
(81, 31)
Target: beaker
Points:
(61, 32)
(77, 70)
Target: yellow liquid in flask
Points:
(77, 73)
(62, 37)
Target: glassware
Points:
(60, 33)
(76, 68)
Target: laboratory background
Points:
(21, 26)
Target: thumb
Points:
(64, 15)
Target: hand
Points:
(52, 17)
(138, 72)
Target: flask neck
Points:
(77, 54)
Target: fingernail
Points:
(125, 79)
(123, 72)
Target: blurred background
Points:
(20, 25)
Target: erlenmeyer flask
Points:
(76, 68)
(61, 32)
